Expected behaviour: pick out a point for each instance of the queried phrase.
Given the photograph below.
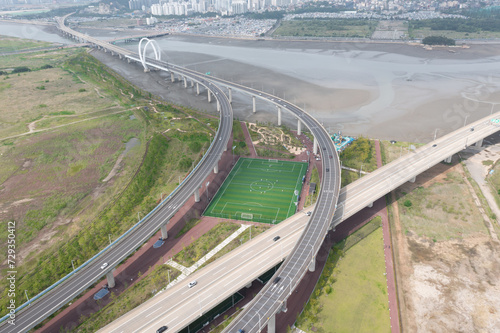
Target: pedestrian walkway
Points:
(186, 271)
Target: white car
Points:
(192, 284)
(103, 266)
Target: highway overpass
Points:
(302, 255)
(237, 269)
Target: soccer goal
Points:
(247, 216)
(273, 160)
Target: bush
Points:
(82, 90)
(41, 87)
(195, 146)
(21, 69)
(438, 40)
(46, 67)
(407, 203)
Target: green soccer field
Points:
(259, 190)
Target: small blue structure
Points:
(158, 243)
(101, 293)
(341, 142)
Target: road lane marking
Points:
(153, 312)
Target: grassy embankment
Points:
(13, 44)
(360, 154)
(494, 182)
(351, 294)
(85, 212)
(326, 28)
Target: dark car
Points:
(276, 238)
(241, 331)
(161, 329)
(277, 280)
(434, 145)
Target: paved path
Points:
(389, 263)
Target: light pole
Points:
(465, 120)
(109, 237)
(73, 264)
(360, 170)
(435, 133)
(26, 293)
(208, 183)
(233, 153)
(168, 272)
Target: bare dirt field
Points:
(448, 266)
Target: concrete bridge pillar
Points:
(216, 167)
(230, 95)
(218, 106)
(312, 265)
(370, 205)
(197, 195)
(315, 146)
(299, 127)
(197, 88)
(413, 179)
(253, 101)
(164, 233)
(271, 324)
(479, 143)
(209, 96)
(185, 82)
(279, 116)
(110, 278)
(172, 77)
(128, 60)
(146, 70)
(447, 160)
(192, 83)
(249, 285)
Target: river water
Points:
(383, 91)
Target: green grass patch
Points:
(360, 154)
(189, 225)
(441, 211)
(13, 44)
(259, 190)
(195, 251)
(351, 294)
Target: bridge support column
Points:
(271, 324)
(185, 82)
(370, 205)
(197, 195)
(120, 57)
(253, 101)
(197, 88)
(128, 60)
(216, 167)
(299, 127)
(192, 83)
(447, 160)
(230, 95)
(218, 106)
(209, 96)
(112, 53)
(111, 279)
(172, 77)
(312, 265)
(315, 146)
(164, 233)
(146, 70)
(248, 285)
(479, 143)
(279, 116)
(413, 179)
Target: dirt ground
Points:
(446, 286)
